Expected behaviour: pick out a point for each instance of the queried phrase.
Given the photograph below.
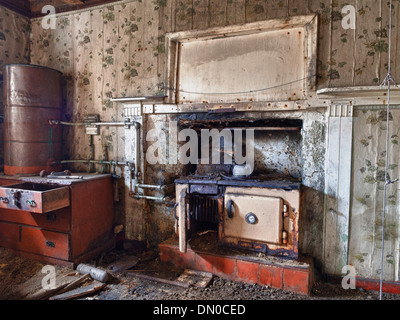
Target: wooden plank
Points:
(80, 292)
(161, 280)
(195, 278)
(46, 294)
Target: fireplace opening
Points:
(256, 210)
(275, 143)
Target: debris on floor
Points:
(80, 292)
(123, 264)
(196, 278)
(21, 279)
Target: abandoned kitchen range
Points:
(247, 149)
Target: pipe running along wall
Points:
(134, 173)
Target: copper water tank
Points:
(32, 95)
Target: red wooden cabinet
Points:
(79, 229)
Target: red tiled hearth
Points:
(283, 274)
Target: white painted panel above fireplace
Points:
(263, 62)
(269, 66)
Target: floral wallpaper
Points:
(119, 50)
(369, 161)
(14, 48)
(14, 37)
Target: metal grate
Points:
(203, 209)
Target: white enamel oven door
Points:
(257, 218)
(181, 229)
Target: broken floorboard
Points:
(185, 280)
(196, 278)
(80, 292)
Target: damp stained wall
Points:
(119, 50)
(14, 48)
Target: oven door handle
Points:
(174, 210)
(229, 209)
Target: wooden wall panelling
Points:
(217, 9)
(396, 43)
(106, 143)
(235, 12)
(256, 10)
(368, 46)
(324, 39)
(367, 196)
(124, 74)
(165, 18)
(183, 12)
(201, 14)
(277, 9)
(341, 63)
(384, 29)
(82, 84)
(150, 38)
(296, 7)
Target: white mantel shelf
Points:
(366, 95)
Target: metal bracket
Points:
(50, 244)
(128, 123)
(91, 128)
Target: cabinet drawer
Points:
(58, 220)
(34, 197)
(34, 240)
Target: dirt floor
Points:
(21, 279)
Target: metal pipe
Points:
(136, 173)
(126, 99)
(151, 186)
(111, 162)
(56, 122)
(139, 196)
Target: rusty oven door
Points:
(252, 218)
(34, 197)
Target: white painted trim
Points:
(337, 205)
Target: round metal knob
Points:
(251, 218)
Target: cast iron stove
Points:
(258, 214)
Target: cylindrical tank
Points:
(32, 95)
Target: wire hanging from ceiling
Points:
(386, 82)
